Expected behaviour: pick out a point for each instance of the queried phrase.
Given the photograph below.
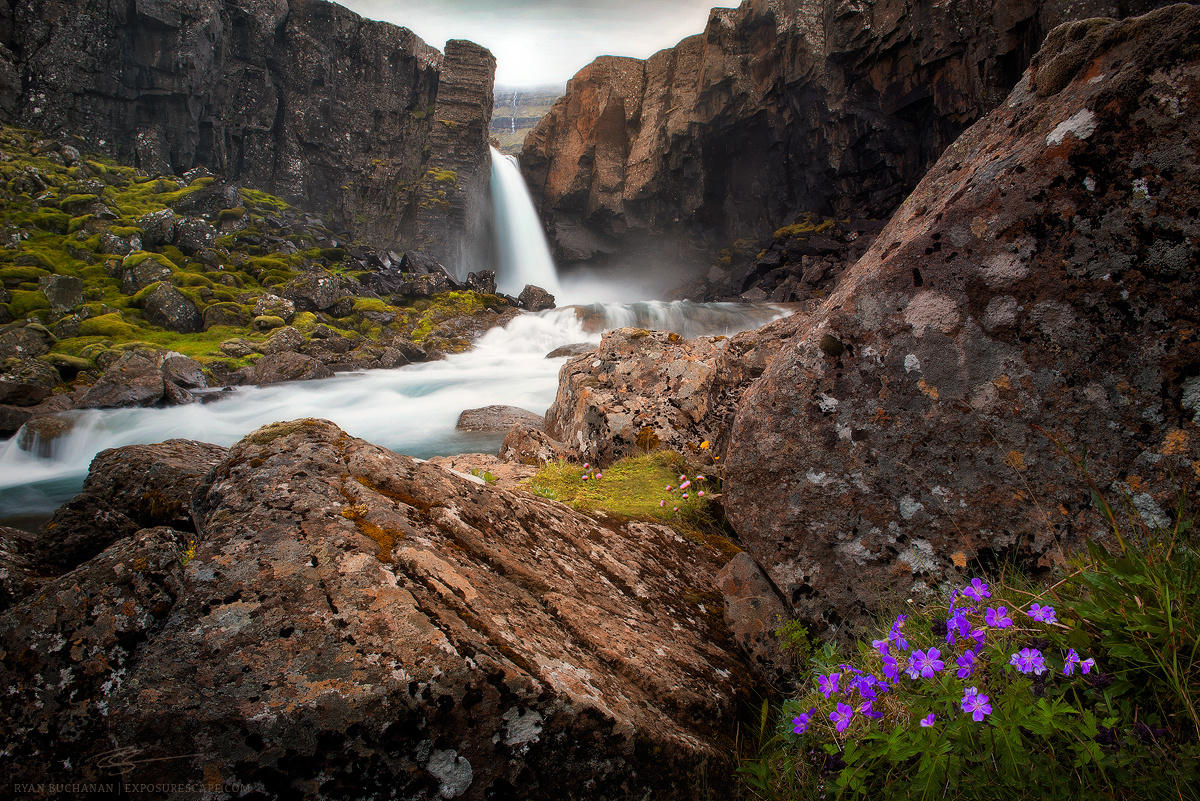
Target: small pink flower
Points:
(685, 485)
(676, 509)
(662, 503)
(586, 465)
(685, 494)
(683, 478)
(599, 475)
(584, 477)
(699, 478)
(700, 494)
(669, 488)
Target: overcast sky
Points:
(547, 41)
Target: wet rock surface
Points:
(641, 390)
(1038, 287)
(355, 621)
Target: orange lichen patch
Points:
(1136, 483)
(1003, 383)
(1175, 443)
(959, 559)
(1015, 460)
(978, 227)
(881, 417)
(384, 538)
(929, 389)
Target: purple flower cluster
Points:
(967, 625)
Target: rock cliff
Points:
(780, 107)
(358, 120)
(1037, 289)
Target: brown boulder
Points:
(27, 382)
(144, 378)
(129, 488)
(497, 418)
(1037, 288)
(531, 446)
(641, 390)
(19, 575)
(361, 622)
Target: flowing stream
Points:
(411, 409)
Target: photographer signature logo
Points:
(123, 760)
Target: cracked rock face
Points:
(1037, 287)
(356, 623)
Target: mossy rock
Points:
(107, 325)
(25, 302)
(50, 220)
(267, 322)
(22, 273)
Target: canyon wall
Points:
(358, 120)
(780, 107)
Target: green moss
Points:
(631, 488)
(229, 215)
(174, 255)
(125, 231)
(20, 273)
(137, 257)
(806, 224)
(50, 220)
(261, 200)
(25, 302)
(442, 176)
(111, 326)
(370, 304)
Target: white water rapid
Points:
(523, 252)
(412, 409)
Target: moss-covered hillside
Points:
(98, 259)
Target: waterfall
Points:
(524, 255)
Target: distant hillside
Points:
(518, 110)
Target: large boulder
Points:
(288, 366)
(25, 341)
(363, 623)
(535, 299)
(193, 235)
(530, 445)
(314, 291)
(641, 390)
(158, 227)
(166, 307)
(64, 292)
(19, 575)
(274, 306)
(1038, 289)
(143, 273)
(145, 378)
(27, 382)
(126, 489)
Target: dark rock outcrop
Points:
(356, 621)
(144, 378)
(27, 382)
(127, 489)
(288, 366)
(166, 307)
(780, 107)
(1038, 287)
(530, 445)
(355, 119)
(535, 299)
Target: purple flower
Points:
(957, 624)
(1045, 614)
(841, 716)
(801, 721)
(1029, 660)
(828, 685)
(924, 663)
(975, 704)
(896, 635)
(867, 708)
(1070, 662)
(1086, 665)
(966, 664)
(998, 617)
(891, 668)
(978, 636)
(976, 590)
(927, 721)
(865, 686)
(881, 646)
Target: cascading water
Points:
(524, 255)
(412, 410)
